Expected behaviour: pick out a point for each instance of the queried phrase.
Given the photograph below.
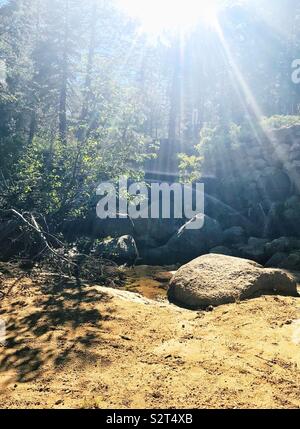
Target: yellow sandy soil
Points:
(73, 345)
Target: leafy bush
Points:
(280, 121)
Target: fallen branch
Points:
(35, 227)
(61, 258)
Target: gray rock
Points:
(187, 244)
(254, 250)
(160, 230)
(115, 228)
(159, 256)
(274, 183)
(218, 279)
(291, 215)
(259, 163)
(224, 213)
(292, 209)
(122, 250)
(282, 245)
(235, 235)
(292, 262)
(274, 225)
(146, 242)
(276, 260)
(257, 242)
(293, 202)
(222, 250)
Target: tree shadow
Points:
(60, 321)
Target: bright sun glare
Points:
(158, 15)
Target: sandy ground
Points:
(71, 345)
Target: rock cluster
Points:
(253, 211)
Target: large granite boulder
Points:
(219, 279)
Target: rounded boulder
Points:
(213, 280)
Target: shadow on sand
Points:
(60, 319)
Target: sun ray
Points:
(248, 100)
(157, 16)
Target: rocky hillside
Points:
(252, 211)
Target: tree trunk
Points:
(84, 131)
(64, 81)
(175, 94)
(32, 127)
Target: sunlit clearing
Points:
(156, 16)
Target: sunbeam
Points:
(156, 16)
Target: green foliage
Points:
(189, 167)
(72, 112)
(59, 179)
(84, 97)
(215, 141)
(280, 121)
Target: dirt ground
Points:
(71, 345)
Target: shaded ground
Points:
(73, 345)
